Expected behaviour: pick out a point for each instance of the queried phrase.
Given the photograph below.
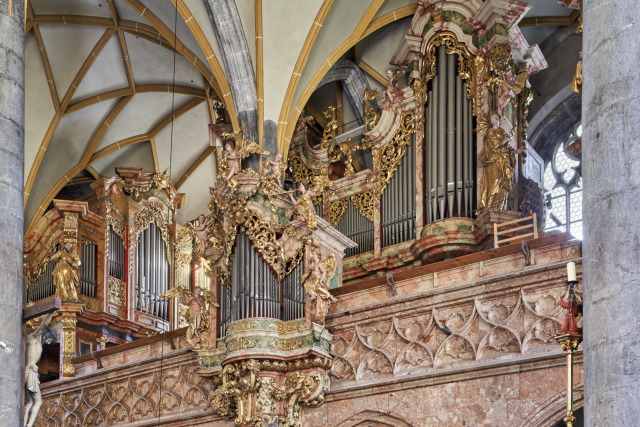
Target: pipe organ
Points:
(449, 148)
(255, 289)
(293, 300)
(116, 255)
(151, 272)
(43, 286)
(88, 258)
(399, 203)
(357, 228)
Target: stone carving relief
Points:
(124, 401)
(430, 338)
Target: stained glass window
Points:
(563, 186)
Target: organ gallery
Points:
(318, 213)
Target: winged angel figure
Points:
(234, 152)
(197, 315)
(315, 281)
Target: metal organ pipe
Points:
(458, 184)
(434, 149)
(442, 131)
(451, 93)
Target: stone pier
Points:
(11, 207)
(611, 257)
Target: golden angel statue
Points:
(305, 206)
(315, 281)
(235, 152)
(197, 314)
(392, 80)
(65, 274)
(498, 161)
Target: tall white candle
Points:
(571, 272)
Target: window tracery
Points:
(563, 186)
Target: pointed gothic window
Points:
(563, 186)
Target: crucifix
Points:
(33, 351)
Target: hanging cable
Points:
(169, 207)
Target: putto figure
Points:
(275, 164)
(234, 153)
(31, 379)
(202, 232)
(65, 274)
(388, 95)
(315, 284)
(304, 121)
(305, 206)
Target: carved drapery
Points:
(363, 201)
(152, 212)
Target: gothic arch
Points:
(353, 81)
(376, 418)
(553, 409)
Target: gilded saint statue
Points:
(576, 84)
(315, 281)
(498, 161)
(305, 206)
(65, 274)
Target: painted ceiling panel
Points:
(196, 189)
(166, 12)
(39, 109)
(199, 12)
(378, 48)
(190, 139)
(247, 12)
(69, 142)
(106, 73)
(72, 7)
(286, 26)
(127, 13)
(68, 46)
(340, 23)
(391, 5)
(153, 64)
(144, 112)
(138, 156)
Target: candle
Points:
(571, 272)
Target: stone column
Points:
(11, 208)
(611, 246)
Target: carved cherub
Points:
(392, 80)
(234, 153)
(305, 206)
(315, 284)
(202, 232)
(304, 121)
(275, 164)
(508, 85)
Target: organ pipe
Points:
(449, 156)
(357, 228)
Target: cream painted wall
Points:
(144, 112)
(247, 12)
(68, 46)
(106, 73)
(127, 13)
(286, 26)
(340, 23)
(69, 142)
(136, 156)
(166, 12)
(39, 109)
(196, 189)
(153, 64)
(190, 139)
(199, 12)
(378, 48)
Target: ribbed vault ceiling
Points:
(100, 78)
